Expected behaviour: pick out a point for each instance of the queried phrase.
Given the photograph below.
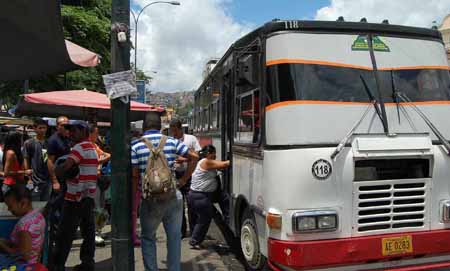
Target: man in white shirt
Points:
(176, 130)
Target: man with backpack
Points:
(152, 159)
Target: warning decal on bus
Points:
(321, 169)
(361, 44)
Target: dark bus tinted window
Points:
(327, 83)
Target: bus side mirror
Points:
(245, 71)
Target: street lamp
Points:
(136, 21)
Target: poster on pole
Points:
(120, 84)
(140, 96)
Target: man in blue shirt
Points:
(153, 212)
(57, 146)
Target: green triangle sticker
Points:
(361, 44)
(378, 45)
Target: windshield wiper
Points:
(395, 96)
(433, 128)
(372, 99)
(341, 144)
(374, 102)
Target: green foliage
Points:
(89, 26)
(9, 93)
(183, 112)
(141, 75)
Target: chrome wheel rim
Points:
(248, 243)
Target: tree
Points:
(88, 26)
(184, 111)
(141, 75)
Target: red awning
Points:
(81, 56)
(79, 104)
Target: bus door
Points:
(227, 126)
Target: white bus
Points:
(338, 137)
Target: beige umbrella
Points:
(81, 56)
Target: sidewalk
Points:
(191, 259)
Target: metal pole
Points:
(122, 245)
(135, 47)
(136, 21)
(135, 42)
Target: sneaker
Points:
(194, 244)
(99, 241)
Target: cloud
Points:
(176, 41)
(403, 12)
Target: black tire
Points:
(251, 252)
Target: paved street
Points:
(215, 255)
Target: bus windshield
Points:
(328, 83)
(328, 67)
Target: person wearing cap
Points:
(78, 207)
(57, 145)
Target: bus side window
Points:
(214, 116)
(248, 118)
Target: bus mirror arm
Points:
(344, 141)
(433, 128)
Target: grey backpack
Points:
(158, 182)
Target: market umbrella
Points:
(32, 41)
(77, 104)
(81, 56)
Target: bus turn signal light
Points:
(274, 221)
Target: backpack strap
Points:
(152, 149)
(162, 143)
(156, 151)
(148, 143)
(160, 149)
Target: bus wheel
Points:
(249, 243)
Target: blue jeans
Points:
(152, 213)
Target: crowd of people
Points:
(67, 170)
(61, 170)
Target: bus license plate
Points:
(397, 245)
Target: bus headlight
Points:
(313, 221)
(326, 222)
(306, 223)
(446, 211)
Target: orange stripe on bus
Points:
(288, 103)
(336, 64)
(317, 62)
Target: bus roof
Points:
(329, 26)
(339, 27)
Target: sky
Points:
(175, 42)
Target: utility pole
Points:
(122, 245)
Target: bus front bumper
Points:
(430, 249)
